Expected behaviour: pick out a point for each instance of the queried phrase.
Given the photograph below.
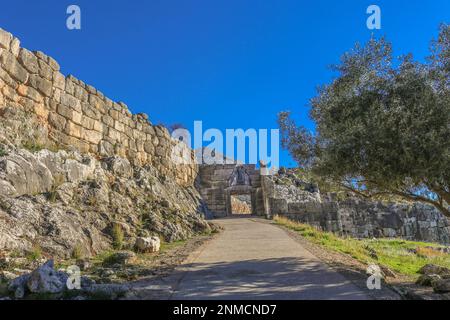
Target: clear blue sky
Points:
(229, 63)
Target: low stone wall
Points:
(354, 216)
(77, 115)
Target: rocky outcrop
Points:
(65, 201)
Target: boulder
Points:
(441, 286)
(427, 279)
(18, 286)
(106, 291)
(46, 280)
(429, 269)
(151, 244)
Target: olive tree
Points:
(382, 125)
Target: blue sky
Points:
(229, 63)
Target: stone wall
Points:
(218, 182)
(73, 114)
(353, 216)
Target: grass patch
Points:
(35, 253)
(32, 146)
(402, 256)
(118, 236)
(3, 152)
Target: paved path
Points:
(253, 259)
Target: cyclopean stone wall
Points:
(288, 196)
(68, 113)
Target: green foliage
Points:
(3, 152)
(35, 253)
(32, 146)
(77, 252)
(382, 127)
(58, 180)
(402, 256)
(118, 236)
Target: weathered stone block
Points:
(119, 126)
(87, 123)
(42, 85)
(45, 71)
(71, 101)
(53, 64)
(92, 136)
(28, 60)
(7, 78)
(113, 134)
(13, 67)
(59, 81)
(73, 129)
(29, 92)
(98, 126)
(97, 103)
(15, 47)
(5, 39)
(90, 111)
(108, 120)
(57, 121)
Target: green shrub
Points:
(3, 152)
(35, 253)
(77, 252)
(117, 235)
(32, 146)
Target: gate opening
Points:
(241, 204)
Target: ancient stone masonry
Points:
(288, 196)
(68, 112)
(218, 182)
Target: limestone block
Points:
(57, 121)
(29, 92)
(42, 85)
(98, 126)
(71, 101)
(13, 67)
(10, 93)
(81, 93)
(28, 60)
(41, 111)
(73, 129)
(70, 86)
(114, 114)
(97, 103)
(7, 79)
(113, 134)
(108, 120)
(53, 64)
(42, 56)
(87, 122)
(5, 39)
(45, 71)
(92, 136)
(152, 244)
(119, 126)
(59, 81)
(106, 148)
(90, 111)
(15, 47)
